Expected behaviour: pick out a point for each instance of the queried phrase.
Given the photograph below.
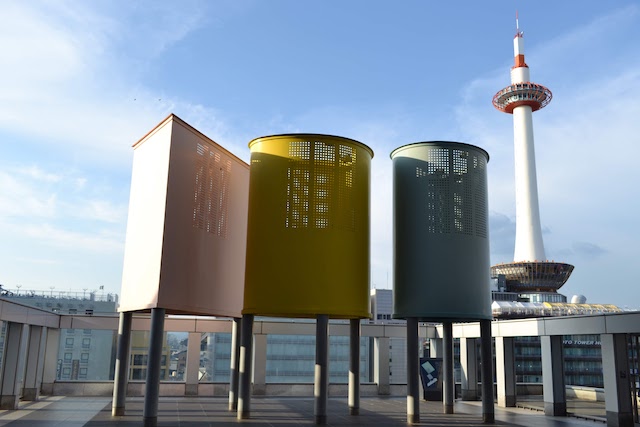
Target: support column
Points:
(35, 363)
(553, 387)
(193, 364)
(16, 342)
(381, 365)
(469, 368)
(435, 347)
(505, 372)
(448, 386)
(321, 380)
(259, 364)
(486, 360)
(154, 360)
(234, 364)
(246, 365)
(50, 373)
(413, 375)
(617, 387)
(354, 367)
(121, 374)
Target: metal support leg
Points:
(246, 365)
(321, 383)
(413, 391)
(154, 361)
(448, 389)
(354, 367)
(121, 377)
(234, 365)
(488, 410)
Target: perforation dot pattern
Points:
(454, 181)
(211, 191)
(320, 181)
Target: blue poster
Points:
(430, 371)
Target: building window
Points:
(68, 342)
(86, 331)
(139, 374)
(86, 342)
(67, 357)
(84, 357)
(139, 359)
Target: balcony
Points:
(203, 377)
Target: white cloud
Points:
(60, 56)
(19, 199)
(38, 174)
(102, 241)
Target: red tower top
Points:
(521, 91)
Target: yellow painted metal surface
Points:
(308, 227)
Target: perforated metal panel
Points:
(455, 191)
(308, 235)
(326, 200)
(211, 191)
(441, 251)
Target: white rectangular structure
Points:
(187, 227)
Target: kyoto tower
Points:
(530, 271)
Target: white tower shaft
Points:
(529, 244)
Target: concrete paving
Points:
(281, 412)
(586, 409)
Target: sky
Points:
(82, 81)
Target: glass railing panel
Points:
(86, 355)
(291, 359)
(173, 361)
(215, 353)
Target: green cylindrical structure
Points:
(308, 227)
(441, 241)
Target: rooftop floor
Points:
(286, 412)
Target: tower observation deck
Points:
(529, 271)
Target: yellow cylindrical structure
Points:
(308, 227)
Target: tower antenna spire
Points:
(518, 32)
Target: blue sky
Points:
(82, 81)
